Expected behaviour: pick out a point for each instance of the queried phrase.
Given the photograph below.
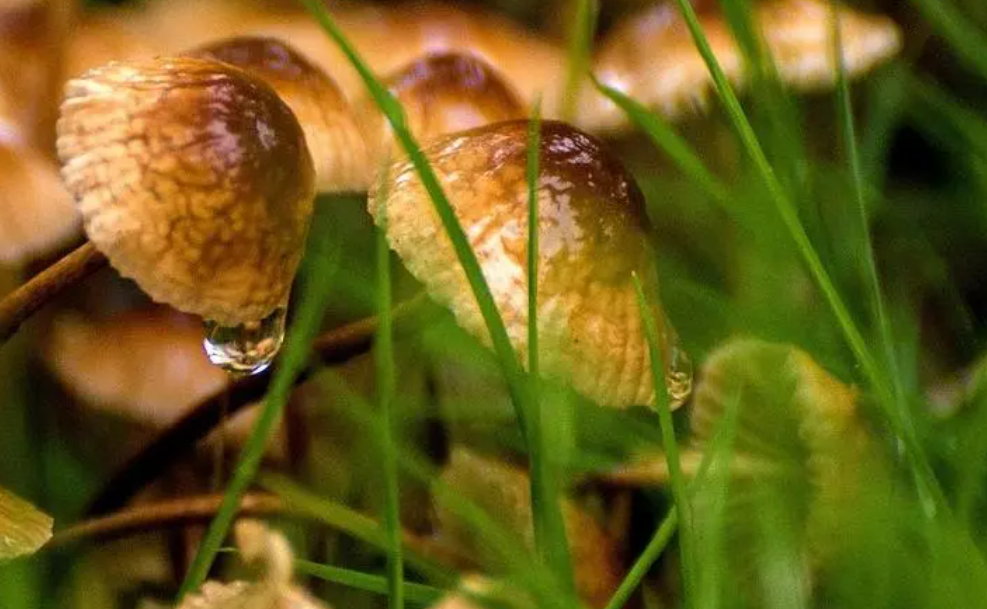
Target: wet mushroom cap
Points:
(593, 235)
(194, 179)
(652, 57)
(329, 123)
(441, 94)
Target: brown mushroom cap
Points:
(146, 365)
(36, 211)
(504, 492)
(194, 179)
(329, 123)
(593, 235)
(651, 56)
(441, 94)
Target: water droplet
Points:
(678, 375)
(247, 348)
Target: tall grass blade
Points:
(384, 360)
(682, 507)
(675, 146)
(351, 522)
(513, 372)
(869, 270)
(416, 593)
(968, 42)
(316, 280)
(550, 534)
(928, 484)
(719, 453)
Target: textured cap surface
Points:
(651, 56)
(441, 94)
(592, 237)
(194, 179)
(329, 123)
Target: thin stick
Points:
(174, 512)
(26, 300)
(333, 347)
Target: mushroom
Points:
(146, 365)
(593, 234)
(651, 56)
(258, 544)
(441, 94)
(36, 211)
(329, 123)
(195, 180)
(504, 492)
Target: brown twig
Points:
(173, 512)
(333, 347)
(46, 285)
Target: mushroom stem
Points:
(26, 300)
(333, 347)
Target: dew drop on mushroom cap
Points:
(329, 123)
(593, 235)
(195, 180)
(441, 93)
(652, 57)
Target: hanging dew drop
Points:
(247, 348)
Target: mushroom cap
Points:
(801, 427)
(651, 56)
(145, 365)
(36, 211)
(593, 234)
(441, 94)
(194, 179)
(329, 123)
(503, 491)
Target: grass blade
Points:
(316, 281)
(550, 534)
(675, 146)
(968, 42)
(384, 359)
(869, 270)
(416, 593)
(581, 32)
(686, 537)
(928, 484)
(351, 522)
(510, 365)
(720, 449)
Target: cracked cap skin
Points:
(193, 178)
(593, 234)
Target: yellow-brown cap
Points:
(329, 123)
(194, 179)
(36, 211)
(504, 491)
(144, 365)
(441, 94)
(651, 56)
(593, 234)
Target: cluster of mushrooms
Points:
(191, 150)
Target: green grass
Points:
(316, 282)
(817, 234)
